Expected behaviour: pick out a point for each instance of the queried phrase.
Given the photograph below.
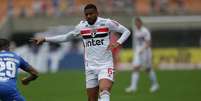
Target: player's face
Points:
(91, 15)
(138, 24)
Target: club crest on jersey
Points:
(93, 34)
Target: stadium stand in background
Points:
(68, 7)
(3, 10)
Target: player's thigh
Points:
(106, 79)
(137, 62)
(147, 60)
(91, 79)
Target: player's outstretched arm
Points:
(33, 75)
(38, 40)
(58, 39)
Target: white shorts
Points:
(93, 76)
(143, 59)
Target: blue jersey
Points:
(9, 64)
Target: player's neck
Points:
(93, 22)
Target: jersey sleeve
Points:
(65, 37)
(23, 63)
(117, 27)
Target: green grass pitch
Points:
(70, 86)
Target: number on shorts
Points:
(110, 71)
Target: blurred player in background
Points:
(99, 66)
(143, 57)
(9, 64)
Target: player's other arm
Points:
(115, 26)
(25, 66)
(147, 44)
(33, 75)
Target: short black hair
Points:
(4, 43)
(90, 6)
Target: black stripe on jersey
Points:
(96, 36)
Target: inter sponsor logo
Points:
(94, 42)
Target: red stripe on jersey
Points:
(103, 29)
(86, 32)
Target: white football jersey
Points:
(96, 40)
(140, 36)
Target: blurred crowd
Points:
(70, 7)
(34, 8)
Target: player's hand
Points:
(37, 40)
(141, 51)
(25, 81)
(113, 45)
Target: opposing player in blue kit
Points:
(9, 64)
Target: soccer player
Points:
(9, 64)
(99, 66)
(143, 57)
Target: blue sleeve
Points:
(23, 63)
